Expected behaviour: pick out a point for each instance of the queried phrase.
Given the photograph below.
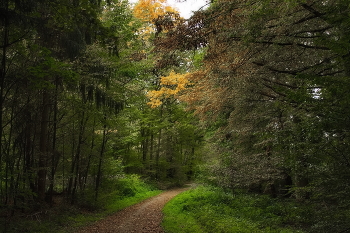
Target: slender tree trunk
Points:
(151, 153)
(63, 171)
(13, 158)
(16, 182)
(144, 144)
(9, 158)
(72, 165)
(55, 155)
(90, 155)
(28, 155)
(2, 77)
(43, 146)
(6, 183)
(158, 146)
(78, 153)
(145, 147)
(103, 146)
(158, 153)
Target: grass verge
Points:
(208, 209)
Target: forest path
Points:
(143, 217)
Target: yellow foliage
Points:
(171, 86)
(148, 10)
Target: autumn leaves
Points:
(171, 86)
(149, 11)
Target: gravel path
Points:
(143, 217)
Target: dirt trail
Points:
(143, 217)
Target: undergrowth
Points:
(208, 209)
(62, 218)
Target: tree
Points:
(178, 80)
(272, 88)
(149, 10)
(45, 87)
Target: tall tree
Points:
(272, 81)
(45, 87)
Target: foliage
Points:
(151, 11)
(93, 90)
(67, 218)
(74, 119)
(271, 92)
(166, 142)
(148, 10)
(62, 92)
(178, 83)
(208, 209)
(130, 190)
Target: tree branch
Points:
(312, 10)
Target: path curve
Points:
(143, 217)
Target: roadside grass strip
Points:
(209, 209)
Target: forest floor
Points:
(143, 217)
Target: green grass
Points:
(207, 209)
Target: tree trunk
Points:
(103, 146)
(2, 77)
(158, 153)
(55, 155)
(28, 153)
(90, 155)
(151, 154)
(158, 146)
(43, 146)
(77, 155)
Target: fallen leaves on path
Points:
(143, 217)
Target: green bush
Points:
(128, 191)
